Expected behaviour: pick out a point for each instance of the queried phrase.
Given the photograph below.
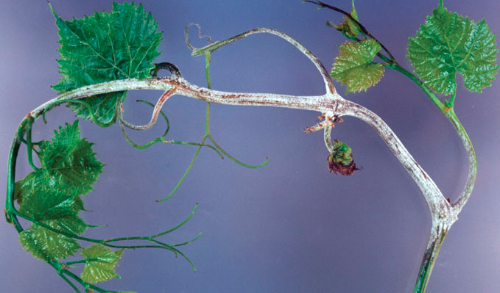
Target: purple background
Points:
(291, 226)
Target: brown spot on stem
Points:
(232, 96)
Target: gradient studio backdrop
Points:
(290, 226)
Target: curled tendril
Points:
(154, 117)
(144, 146)
(186, 35)
(161, 138)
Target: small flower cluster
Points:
(340, 160)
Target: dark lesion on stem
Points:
(174, 70)
(429, 258)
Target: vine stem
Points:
(438, 205)
(207, 50)
(323, 103)
(469, 148)
(443, 213)
(439, 227)
(448, 110)
(328, 103)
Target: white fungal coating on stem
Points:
(331, 105)
(330, 88)
(440, 208)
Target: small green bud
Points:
(349, 28)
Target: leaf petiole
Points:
(84, 103)
(29, 144)
(451, 101)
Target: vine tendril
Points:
(185, 173)
(186, 35)
(161, 138)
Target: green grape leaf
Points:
(25, 186)
(105, 47)
(100, 264)
(51, 195)
(354, 65)
(46, 204)
(78, 204)
(68, 165)
(48, 245)
(68, 162)
(103, 106)
(448, 44)
(31, 185)
(58, 210)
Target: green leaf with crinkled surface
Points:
(68, 162)
(354, 65)
(57, 210)
(78, 204)
(31, 185)
(100, 263)
(105, 47)
(68, 165)
(48, 204)
(448, 44)
(48, 245)
(25, 186)
(51, 195)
